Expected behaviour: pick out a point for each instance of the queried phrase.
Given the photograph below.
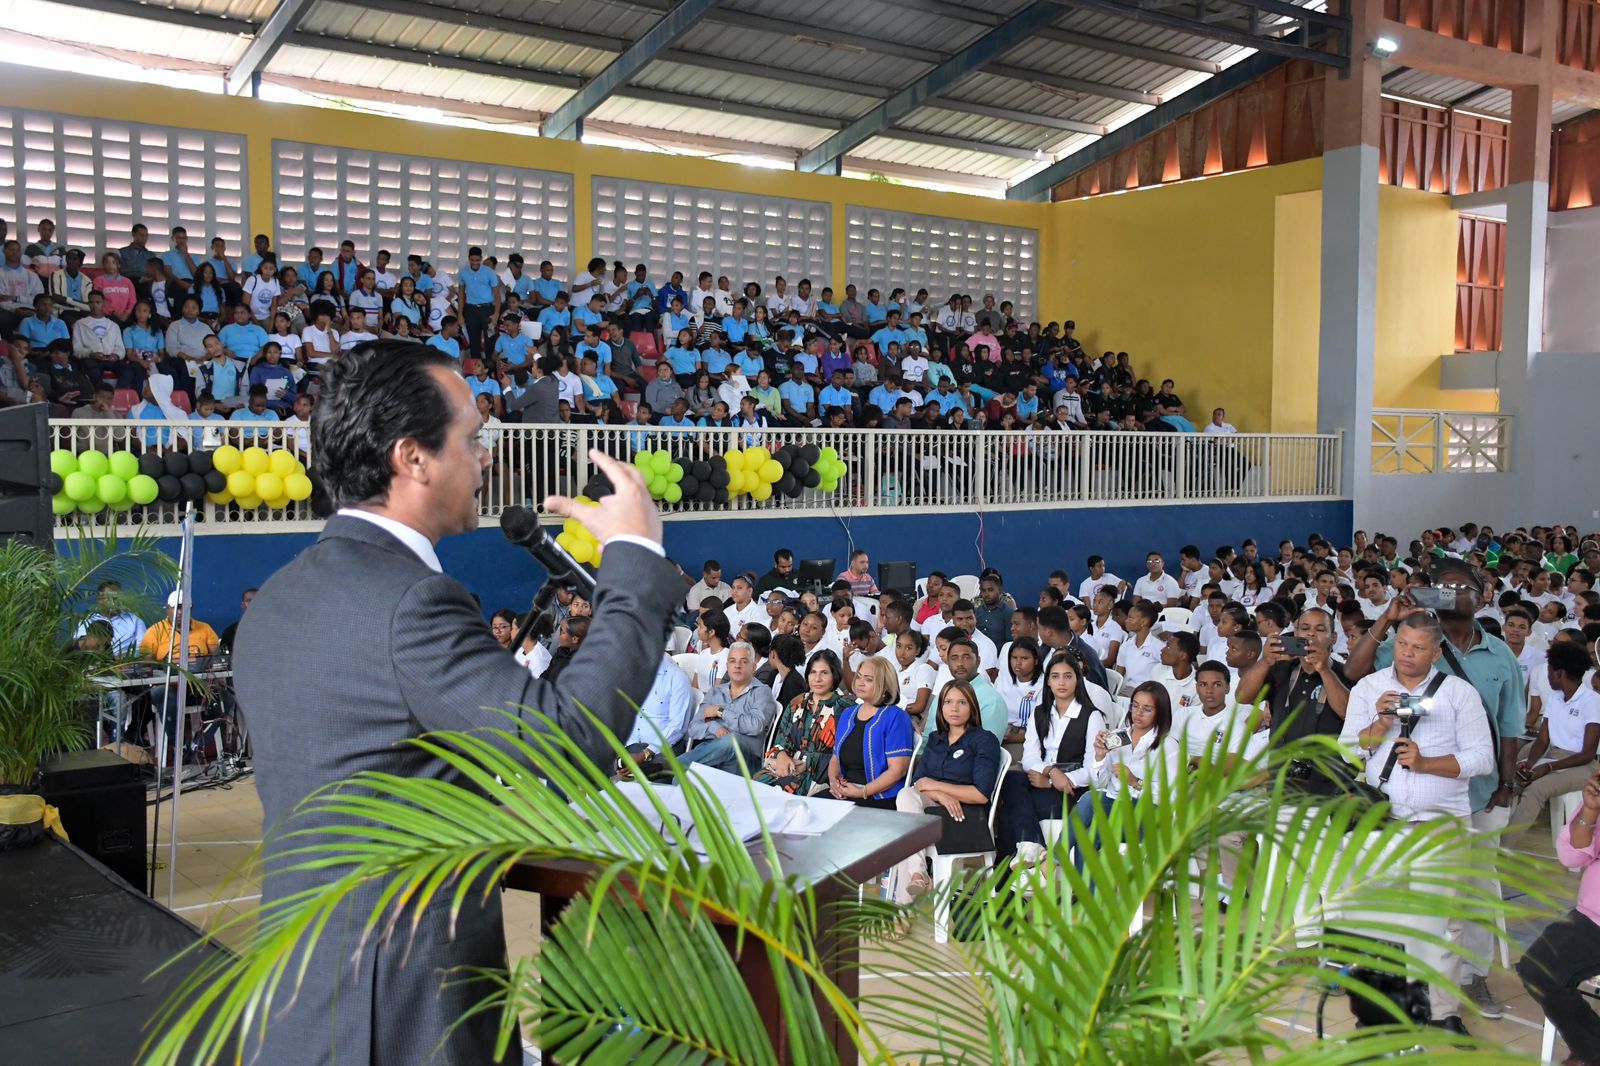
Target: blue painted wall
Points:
(1024, 545)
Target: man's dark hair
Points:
(781, 554)
(963, 641)
(1188, 643)
(1054, 618)
(374, 396)
(860, 630)
(962, 605)
(1211, 666)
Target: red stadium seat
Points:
(647, 372)
(93, 272)
(646, 343)
(125, 400)
(469, 366)
(628, 408)
(181, 401)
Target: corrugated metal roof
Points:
(439, 81)
(751, 88)
(708, 121)
(938, 157)
(76, 25)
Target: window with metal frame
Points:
(416, 205)
(682, 227)
(893, 249)
(96, 177)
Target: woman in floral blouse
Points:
(798, 759)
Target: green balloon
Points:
(62, 504)
(641, 460)
(658, 486)
(90, 506)
(125, 465)
(63, 462)
(829, 454)
(94, 463)
(110, 488)
(827, 485)
(78, 486)
(661, 462)
(675, 473)
(674, 493)
(142, 489)
(123, 504)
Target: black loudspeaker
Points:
(25, 475)
(101, 798)
(898, 577)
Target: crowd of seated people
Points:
(611, 346)
(1097, 686)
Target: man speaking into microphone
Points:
(362, 643)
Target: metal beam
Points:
(963, 144)
(269, 38)
(855, 41)
(1074, 85)
(940, 79)
(171, 16)
(916, 173)
(1006, 114)
(1038, 186)
(567, 121)
(441, 59)
(733, 107)
(1132, 51)
(1195, 28)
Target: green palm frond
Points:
(640, 969)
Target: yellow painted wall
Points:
(1296, 302)
(1181, 278)
(260, 122)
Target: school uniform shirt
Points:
(1138, 662)
(324, 342)
(1104, 635)
(913, 679)
(1532, 660)
(1191, 581)
(1157, 590)
(1036, 757)
(1181, 691)
(1567, 719)
(1020, 697)
(1089, 586)
(1143, 759)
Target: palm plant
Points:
(45, 600)
(1054, 977)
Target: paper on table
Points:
(749, 805)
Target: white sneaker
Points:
(1028, 854)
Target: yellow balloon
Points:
(582, 552)
(761, 491)
(282, 463)
(734, 459)
(755, 457)
(278, 504)
(269, 486)
(241, 483)
(298, 486)
(249, 503)
(570, 527)
(220, 498)
(255, 461)
(226, 459)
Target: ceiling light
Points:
(1385, 47)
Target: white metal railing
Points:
(888, 470)
(1408, 441)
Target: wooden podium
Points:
(863, 845)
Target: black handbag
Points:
(966, 836)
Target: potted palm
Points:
(1068, 974)
(50, 655)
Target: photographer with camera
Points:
(1425, 736)
(1490, 667)
(1307, 690)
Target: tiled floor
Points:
(215, 884)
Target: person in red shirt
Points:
(930, 603)
(118, 289)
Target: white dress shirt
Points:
(664, 712)
(1137, 662)
(1036, 758)
(1568, 719)
(1143, 759)
(1455, 724)
(1158, 590)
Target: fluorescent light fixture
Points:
(1384, 47)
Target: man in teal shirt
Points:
(1489, 666)
(962, 659)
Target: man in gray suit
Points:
(385, 647)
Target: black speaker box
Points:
(101, 797)
(25, 475)
(898, 577)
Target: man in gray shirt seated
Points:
(734, 718)
(664, 391)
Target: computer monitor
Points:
(898, 577)
(815, 575)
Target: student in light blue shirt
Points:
(445, 339)
(799, 398)
(835, 394)
(915, 332)
(750, 361)
(736, 327)
(593, 313)
(242, 337)
(597, 385)
(45, 325)
(884, 396)
(521, 283)
(827, 318)
(419, 277)
(948, 398)
(546, 285)
(890, 333)
(255, 410)
(179, 262)
(876, 312)
(482, 384)
(679, 416)
(315, 268)
(511, 347)
(593, 347)
(1028, 402)
(684, 358)
(807, 362)
(249, 263)
(676, 320)
(556, 316)
(716, 358)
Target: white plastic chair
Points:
(967, 585)
(1173, 619)
(681, 635)
(1114, 682)
(1124, 711)
(944, 866)
(1547, 1046)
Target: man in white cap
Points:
(160, 644)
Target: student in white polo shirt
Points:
(1179, 654)
(1562, 757)
(1374, 598)
(1140, 653)
(1157, 585)
(1191, 575)
(1099, 578)
(742, 606)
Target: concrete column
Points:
(1348, 328)
(1522, 320)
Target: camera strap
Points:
(1456, 668)
(1405, 729)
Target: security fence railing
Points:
(887, 470)
(1440, 442)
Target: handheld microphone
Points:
(522, 528)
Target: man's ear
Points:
(408, 459)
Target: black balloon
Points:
(177, 464)
(200, 463)
(193, 486)
(52, 482)
(705, 493)
(784, 457)
(811, 453)
(794, 491)
(690, 485)
(800, 468)
(701, 471)
(812, 480)
(168, 487)
(719, 481)
(786, 483)
(216, 480)
(721, 495)
(150, 465)
(598, 487)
